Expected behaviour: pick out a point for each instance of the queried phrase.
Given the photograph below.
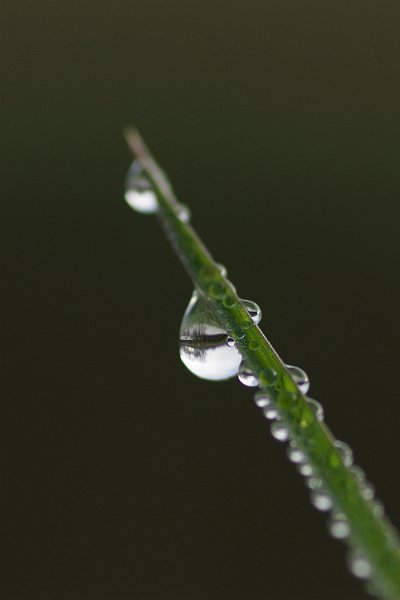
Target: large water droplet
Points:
(246, 376)
(300, 378)
(138, 190)
(279, 431)
(338, 526)
(359, 566)
(321, 500)
(253, 309)
(203, 343)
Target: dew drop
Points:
(268, 377)
(270, 412)
(295, 454)
(300, 378)
(230, 342)
(279, 431)
(306, 470)
(183, 213)
(316, 408)
(262, 399)
(359, 566)
(246, 375)
(204, 346)
(358, 473)
(138, 190)
(216, 290)
(338, 526)
(367, 490)
(378, 509)
(222, 270)
(321, 500)
(253, 309)
(314, 483)
(345, 452)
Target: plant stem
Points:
(371, 535)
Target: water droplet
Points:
(246, 375)
(253, 309)
(183, 213)
(359, 566)
(358, 473)
(306, 470)
(254, 344)
(262, 399)
(230, 342)
(345, 452)
(222, 270)
(316, 408)
(321, 500)
(367, 490)
(300, 378)
(203, 343)
(228, 300)
(279, 431)
(268, 377)
(295, 454)
(377, 508)
(138, 190)
(270, 412)
(314, 483)
(338, 526)
(216, 290)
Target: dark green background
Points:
(123, 476)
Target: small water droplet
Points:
(268, 377)
(295, 454)
(367, 490)
(262, 399)
(253, 344)
(253, 309)
(222, 269)
(246, 375)
(279, 431)
(314, 483)
(378, 509)
(338, 526)
(306, 470)
(203, 343)
(359, 566)
(139, 193)
(183, 213)
(270, 412)
(316, 408)
(345, 452)
(321, 500)
(228, 300)
(216, 290)
(300, 378)
(230, 342)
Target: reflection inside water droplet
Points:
(246, 375)
(338, 526)
(300, 378)
(138, 191)
(359, 566)
(253, 309)
(205, 348)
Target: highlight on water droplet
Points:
(300, 378)
(262, 399)
(183, 213)
(230, 342)
(338, 526)
(280, 431)
(246, 375)
(359, 566)
(253, 309)
(295, 454)
(203, 343)
(139, 193)
(270, 412)
(321, 500)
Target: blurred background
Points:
(123, 476)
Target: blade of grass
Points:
(371, 535)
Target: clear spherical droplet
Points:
(321, 500)
(295, 454)
(246, 375)
(203, 343)
(359, 566)
(345, 452)
(306, 470)
(139, 193)
(300, 378)
(253, 309)
(230, 342)
(270, 412)
(316, 408)
(367, 490)
(262, 399)
(280, 431)
(339, 526)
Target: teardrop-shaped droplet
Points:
(300, 378)
(279, 431)
(253, 309)
(345, 452)
(246, 375)
(139, 193)
(316, 409)
(321, 500)
(203, 343)
(339, 526)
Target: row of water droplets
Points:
(210, 353)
